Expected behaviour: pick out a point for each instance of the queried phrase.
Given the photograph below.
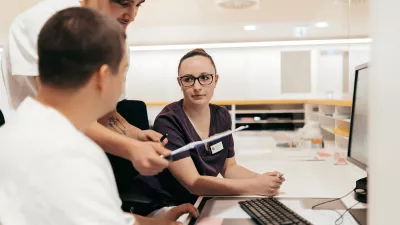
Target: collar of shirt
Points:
(63, 4)
(31, 109)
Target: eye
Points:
(187, 79)
(123, 2)
(204, 77)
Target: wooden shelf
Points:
(330, 117)
(328, 129)
(333, 102)
(335, 125)
(269, 121)
(266, 111)
(346, 138)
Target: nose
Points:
(131, 14)
(197, 85)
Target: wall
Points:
(384, 109)
(245, 73)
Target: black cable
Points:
(334, 200)
(341, 216)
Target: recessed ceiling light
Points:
(250, 27)
(252, 44)
(237, 4)
(322, 24)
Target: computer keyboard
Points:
(268, 211)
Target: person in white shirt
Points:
(50, 172)
(19, 69)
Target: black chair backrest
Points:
(135, 113)
(135, 190)
(2, 120)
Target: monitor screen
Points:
(357, 152)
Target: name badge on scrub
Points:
(217, 147)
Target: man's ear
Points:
(101, 78)
(216, 79)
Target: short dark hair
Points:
(197, 52)
(75, 43)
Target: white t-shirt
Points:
(51, 173)
(20, 57)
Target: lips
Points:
(123, 23)
(198, 96)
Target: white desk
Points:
(304, 178)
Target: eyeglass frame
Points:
(197, 78)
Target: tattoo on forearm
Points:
(115, 125)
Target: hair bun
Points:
(199, 50)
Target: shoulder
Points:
(172, 111)
(171, 119)
(221, 112)
(32, 19)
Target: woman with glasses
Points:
(194, 173)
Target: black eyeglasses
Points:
(189, 80)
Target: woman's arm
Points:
(232, 170)
(186, 173)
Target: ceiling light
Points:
(252, 44)
(237, 4)
(322, 24)
(250, 27)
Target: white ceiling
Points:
(162, 22)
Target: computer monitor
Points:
(358, 151)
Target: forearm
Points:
(110, 141)
(115, 122)
(214, 186)
(239, 172)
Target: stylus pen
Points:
(163, 137)
(280, 175)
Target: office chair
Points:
(135, 113)
(2, 120)
(132, 187)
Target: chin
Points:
(203, 101)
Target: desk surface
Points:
(304, 178)
(226, 209)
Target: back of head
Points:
(74, 44)
(197, 52)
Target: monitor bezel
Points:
(349, 158)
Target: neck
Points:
(74, 105)
(196, 111)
